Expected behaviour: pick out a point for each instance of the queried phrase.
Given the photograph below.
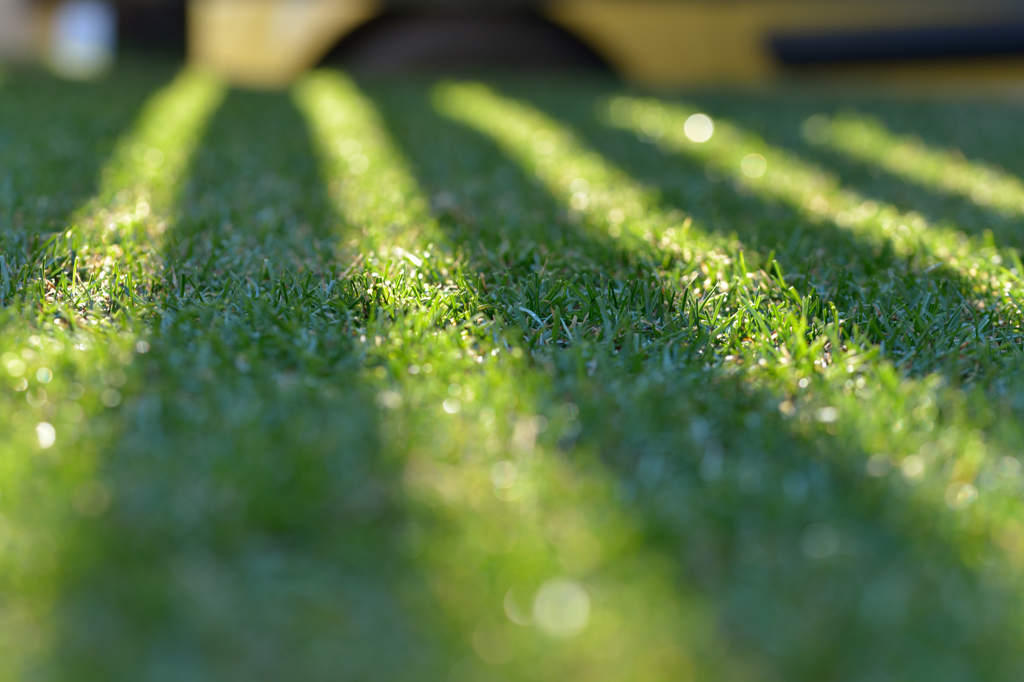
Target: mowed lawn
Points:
(520, 379)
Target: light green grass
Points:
(505, 381)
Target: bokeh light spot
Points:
(878, 465)
(960, 495)
(516, 613)
(699, 128)
(503, 475)
(15, 366)
(753, 165)
(111, 397)
(358, 164)
(46, 434)
(817, 129)
(562, 607)
(913, 468)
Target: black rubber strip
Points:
(987, 40)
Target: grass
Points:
(506, 381)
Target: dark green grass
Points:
(327, 417)
(55, 137)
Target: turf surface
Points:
(507, 381)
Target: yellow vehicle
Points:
(269, 42)
(654, 41)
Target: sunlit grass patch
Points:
(734, 152)
(580, 178)
(867, 139)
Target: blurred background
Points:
(267, 43)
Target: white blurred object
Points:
(15, 29)
(83, 38)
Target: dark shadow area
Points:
(153, 26)
(461, 41)
(55, 137)
(852, 46)
(253, 532)
(779, 119)
(255, 178)
(700, 454)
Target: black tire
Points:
(399, 42)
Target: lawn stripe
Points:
(67, 360)
(494, 118)
(840, 268)
(607, 206)
(312, 466)
(490, 493)
(610, 201)
(248, 529)
(979, 456)
(794, 122)
(103, 261)
(782, 175)
(867, 139)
